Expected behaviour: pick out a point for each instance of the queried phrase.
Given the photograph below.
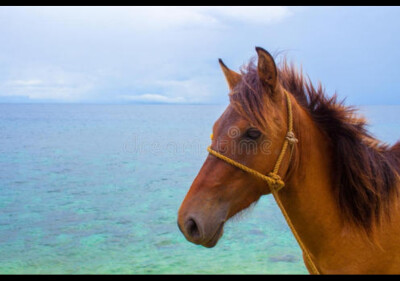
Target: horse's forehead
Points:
(230, 117)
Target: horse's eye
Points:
(253, 133)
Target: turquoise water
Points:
(96, 189)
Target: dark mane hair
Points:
(365, 172)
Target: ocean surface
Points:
(96, 189)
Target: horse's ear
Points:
(266, 68)
(231, 76)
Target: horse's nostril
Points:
(192, 229)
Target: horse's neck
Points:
(307, 196)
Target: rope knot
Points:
(291, 138)
(278, 182)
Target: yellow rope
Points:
(274, 181)
(271, 179)
(313, 268)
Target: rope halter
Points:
(274, 181)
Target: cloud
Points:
(161, 17)
(153, 98)
(144, 18)
(252, 14)
(194, 90)
(144, 54)
(49, 83)
(25, 83)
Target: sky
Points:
(170, 54)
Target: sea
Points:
(95, 189)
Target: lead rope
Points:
(290, 138)
(274, 181)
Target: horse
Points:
(336, 184)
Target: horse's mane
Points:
(365, 172)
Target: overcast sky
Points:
(170, 54)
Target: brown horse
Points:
(341, 184)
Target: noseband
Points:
(274, 181)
